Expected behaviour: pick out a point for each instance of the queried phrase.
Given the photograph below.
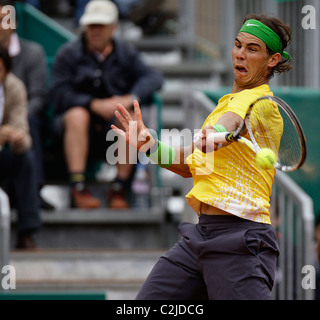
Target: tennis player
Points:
(231, 253)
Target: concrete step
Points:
(119, 273)
(104, 229)
(134, 228)
(150, 227)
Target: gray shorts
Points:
(220, 258)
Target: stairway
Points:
(90, 274)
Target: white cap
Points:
(99, 12)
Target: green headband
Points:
(267, 35)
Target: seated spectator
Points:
(90, 76)
(16, 156)
(29, 65)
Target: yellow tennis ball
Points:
(266, 158)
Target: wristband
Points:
(219, 128)
(163, 156)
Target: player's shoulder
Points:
(256, 91)
(252, 94)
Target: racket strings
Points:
(272, 127)
(266, 125)
(290, 151)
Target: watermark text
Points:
(8, 277)
(309, 20)
(309, 279)
(8, 17)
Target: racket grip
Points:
(219, 137)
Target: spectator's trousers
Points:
(20, 170)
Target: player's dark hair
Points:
(6, 59)
(283, 30)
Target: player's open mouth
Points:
(241, 69)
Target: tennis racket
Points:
(270, 123)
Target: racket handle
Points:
(219, 137)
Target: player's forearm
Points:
(179, 165)
(173, 158)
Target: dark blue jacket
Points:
(78, 78)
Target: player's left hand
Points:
(134, 132)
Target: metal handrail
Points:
(293, 218)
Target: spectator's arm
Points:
(148, 81)
(16, 96)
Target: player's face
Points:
(99, 35)
(251, 61)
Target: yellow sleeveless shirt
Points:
(229, 178)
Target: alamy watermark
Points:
(309, 20)
(8, 277)
(9, 17)
(309, 279)
(117, 153)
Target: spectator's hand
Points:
(13, 136)
(134, 131)
(125, 100)
(205, 143)
(105, 108)
(5, 134)
(18, 138)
